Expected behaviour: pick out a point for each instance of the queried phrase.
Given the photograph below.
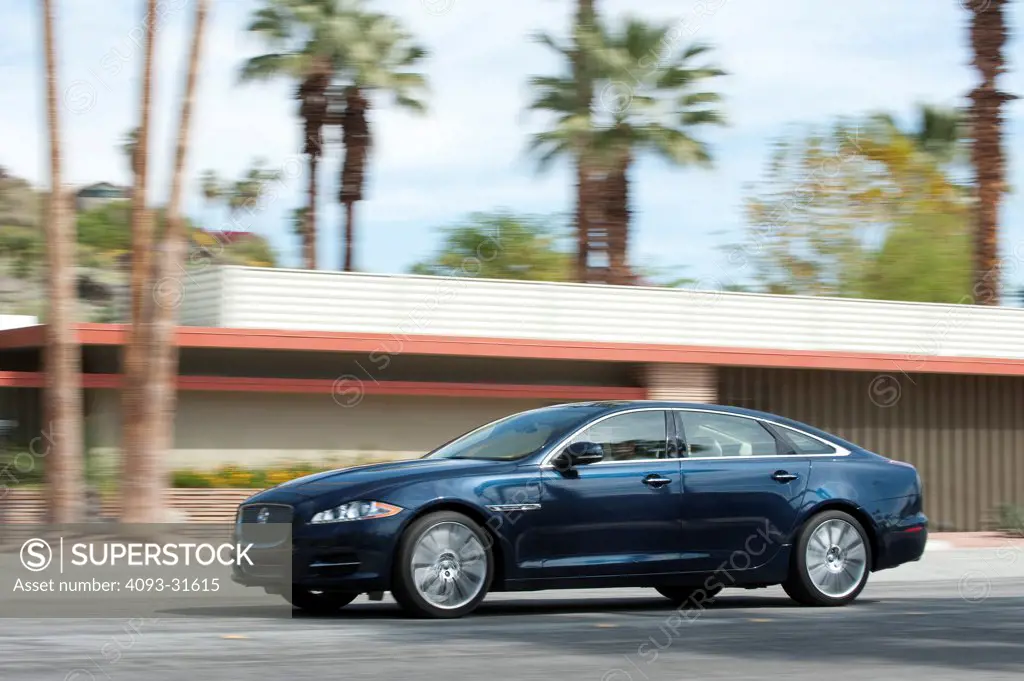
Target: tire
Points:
(679, 595)
(319, 602)
(443, 567)
(831, 561)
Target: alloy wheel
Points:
(449, 565)
(836, 558)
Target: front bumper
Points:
(351, 556)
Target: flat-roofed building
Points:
(291, 365)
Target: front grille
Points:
(265, 524)
(274, 513)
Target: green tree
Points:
(839, 206)
(500, 246)
(925, 258)
(308, 38)
(380, 62)
(252, 251)
(937, 131)
(106, 228)
(20, 204)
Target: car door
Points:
(619, 516)
(741, 489)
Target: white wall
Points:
(16, 321)
(400, 305)
(259, 429)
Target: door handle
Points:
(784, 476)
(655, 480)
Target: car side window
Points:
(631, 436)
(723, 435)
(805, 444)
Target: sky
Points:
(790, 62)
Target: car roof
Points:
(612, 406)
(609, 406)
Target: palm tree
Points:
(571, 136)
(586, 22)
(241, 193)
(163, 359)
(936, 131)
(655, 112)
(137, 500)
(308, 36)
(64, 463)
(129, 144)
(379, 63)
(988, 37)
(574, 106)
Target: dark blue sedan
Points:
(687, 499)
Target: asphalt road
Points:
(955, 614)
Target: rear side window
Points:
(805, 444)
(709, 434)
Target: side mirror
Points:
(583, 453)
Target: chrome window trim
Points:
(566, 440)
(840, 451)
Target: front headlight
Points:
(355, 510)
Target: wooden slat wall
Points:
(682, 382)
(965, 434)
(187, 505)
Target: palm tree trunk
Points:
(314, 110)
(136, 496)
(163, 359)
(617, 214)
(586, 17)
(349, 233)
(309, 231)
(355, 134)
(988, 36)
(582, 225)
(63, 396)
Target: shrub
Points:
(1010, 519)
(238, 477)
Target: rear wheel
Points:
(443, 567)
(319, 602)
(831, 561)
(693, 594)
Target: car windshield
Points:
(516, 436)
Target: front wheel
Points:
(319, 602)
(443, 567)
(831, 562)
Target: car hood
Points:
(371, 475)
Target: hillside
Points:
(103, 254)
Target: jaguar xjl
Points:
(686, 499)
